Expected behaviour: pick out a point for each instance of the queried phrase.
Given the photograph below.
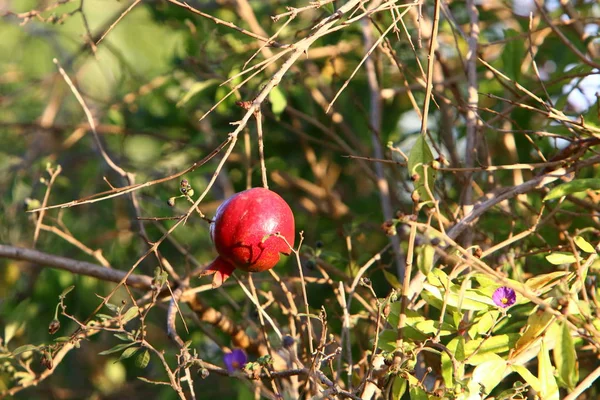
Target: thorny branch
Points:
(452, 226)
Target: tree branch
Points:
(74, 266)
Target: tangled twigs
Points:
(500, 243)
(29, 15)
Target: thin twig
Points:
(53, 174)
(123, 14)
(261, 148)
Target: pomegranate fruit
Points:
(243, 232)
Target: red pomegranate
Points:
(241, 229)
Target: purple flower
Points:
(235, 360)
(504, 297)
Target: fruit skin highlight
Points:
(243, 233)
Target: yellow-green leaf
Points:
(456, 347)
(485, 322)
(576, 186)
(548, 386)
(116, 349)
(559, 258)
(128, 353)
(565, 357)
(23, 349)
(416, 393)
(478, 350)
(421, 155)
(392, 280)
(489, 373)
(142, 359)
(66, 291)
(425, 256)
(469, 300)
(584, 245)
(528, 376)
(130, 314)
(398, 388)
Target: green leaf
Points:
(584, 245)
(124, 337)
(457, 347)
(439, 278)
(142, 359)
(160, 276)
(419, 324)
(112, 307)
(17, 318)
(33, 204)
(416, 393)
(479, 350)
(196, 89)
(23, 349)
(278, 101)
(66, 291)
(430, 327)
(484, 323)
(104, 316)
(425, 256)
(528, 376)
(559, 258)
(512, 55)
(392, 280)
(575, 186)
(565, 357)
(130, 314)
(548, 386)
(128, 353)
(421, 155)
(470, 300)
(10, 329)
(489, 373)
(399, 388)
(387, 340)
(116, 349)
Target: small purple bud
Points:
(288, 341)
